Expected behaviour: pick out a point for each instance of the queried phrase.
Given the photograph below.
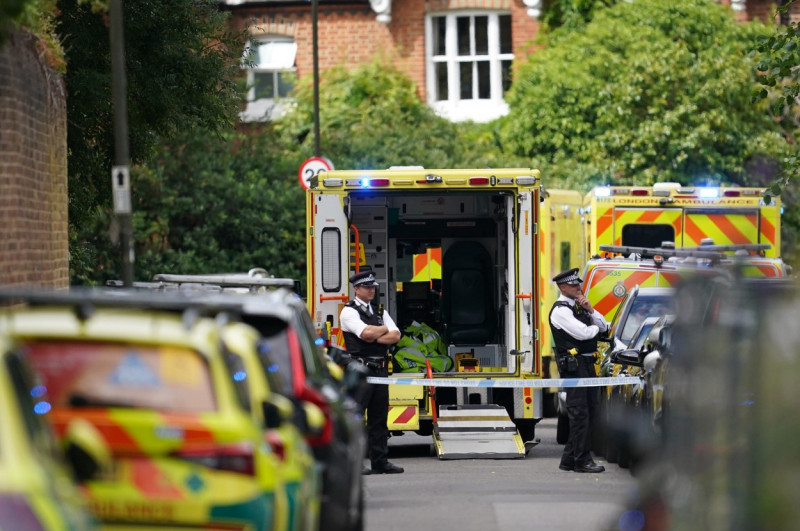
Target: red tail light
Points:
(275, 441)
(236, 457)
(310, 394)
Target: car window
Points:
(643, 306)
(641, 334)
(237, 371)
(274, 350)
(100, 374)
(313, 354)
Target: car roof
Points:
(280, 303)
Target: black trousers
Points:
(374, 399)
(582, 407)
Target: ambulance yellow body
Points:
(561, 244)
(476, 286)
(646, 216)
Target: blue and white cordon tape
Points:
(512, 383)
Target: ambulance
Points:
(479, 232)
(646, 216)
(622, 222)
(561, 243)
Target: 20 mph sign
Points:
(311, 168)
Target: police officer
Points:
(368, 331)
(576, 327)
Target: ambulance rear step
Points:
(476, 432)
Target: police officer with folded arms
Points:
(368, 332)
(576, 327)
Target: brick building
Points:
(459, 53)
(34, 247)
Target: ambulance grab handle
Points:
(524, 295)
(343, 298)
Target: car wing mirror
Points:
(626, 357)
(277, 409)
(86, 450)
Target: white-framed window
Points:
(468, 64)
(271, 70)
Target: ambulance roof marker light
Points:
(478, 181)
(430, 179)
(708, 193)
(602, 191)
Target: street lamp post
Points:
(120, 175)
(314, 44)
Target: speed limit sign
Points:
(311, 168)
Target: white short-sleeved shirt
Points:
(563, 318)
(350, 320)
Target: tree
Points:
(778, 72)
(182, 65)
(647, 91)
(210, 204)
(371, 117)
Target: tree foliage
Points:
(647, 91)
(208, 204)
(181, 64)
(778, 72)
(371, 117)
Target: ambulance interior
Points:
(464, 297)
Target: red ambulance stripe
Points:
(693, 231)
(604, 222)
(151, 482)
(729, 229)
(405, 416)
(649, 215)
(768, 230)
(607, 303)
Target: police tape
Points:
(507, 382)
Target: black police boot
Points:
(567, 464)
(590, 467)
(387, 468)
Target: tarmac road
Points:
(493, 495)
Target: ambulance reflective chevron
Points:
(647, 216)
(607, 280)
(476, 285)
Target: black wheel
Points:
(562, 429)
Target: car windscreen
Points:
(86, 374)
(644, 306)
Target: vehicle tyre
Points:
(562, 429)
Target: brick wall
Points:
(351, 35)
(33, 168)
